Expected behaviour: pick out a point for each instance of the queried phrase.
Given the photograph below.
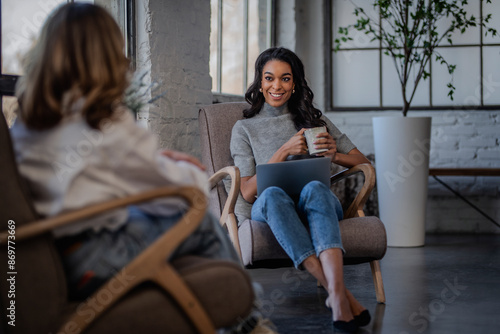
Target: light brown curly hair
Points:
(80, 54)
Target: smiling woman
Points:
(277, 83)
(281, 109)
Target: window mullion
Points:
(481, 53)
(270, 12)
(245, 44)
(219, 47)
(131, 40)
(380, 73)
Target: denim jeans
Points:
(304, 227)
(91, 258)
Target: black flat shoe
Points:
(363, 318)
(346, 326)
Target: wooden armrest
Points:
(356, 207)
(234, 173)
(152, 265)
(228, 217)
(46, 225)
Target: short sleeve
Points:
(344, 144)
(241, 150)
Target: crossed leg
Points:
(328, 270)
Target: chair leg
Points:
(377, 281)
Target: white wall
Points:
(310, 46)
(174, 42)
(286, 24)
(299, 27)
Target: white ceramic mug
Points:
(310, 135)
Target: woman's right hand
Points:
(294, 146)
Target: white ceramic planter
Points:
(402, 147)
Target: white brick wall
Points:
(459, 139)
(177, 34)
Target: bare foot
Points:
(340, 306)
(356, 307)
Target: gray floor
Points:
(452, 285)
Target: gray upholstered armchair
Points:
(364, 238)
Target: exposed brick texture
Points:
(178, 37)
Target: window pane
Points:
(355, 79)
(9, 105)
(465, 78)
(232, 46)
(342, 16)
(491, 75)
(214, 4)
(389, 27)
(21, 24)
(471, 36)
(356, 75)
(392, 95)
(494, 9)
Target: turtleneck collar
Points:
(268, 110)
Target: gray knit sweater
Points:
(254, 141)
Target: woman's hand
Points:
(353, 158)
(181, 156)
(325, 141)
(294, 146)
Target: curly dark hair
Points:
(300, 104)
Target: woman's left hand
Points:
(325, 140)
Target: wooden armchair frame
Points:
(355, 209)
(216, 122)
(150, 265)
(228, 218)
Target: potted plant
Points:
(141, 92)
(409, 32)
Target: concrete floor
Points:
(451, 285)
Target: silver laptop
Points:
(292, 176)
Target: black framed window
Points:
(240, 31)
(362, 77)
(20, 23)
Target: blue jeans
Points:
(91, 258)
(317, 207)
